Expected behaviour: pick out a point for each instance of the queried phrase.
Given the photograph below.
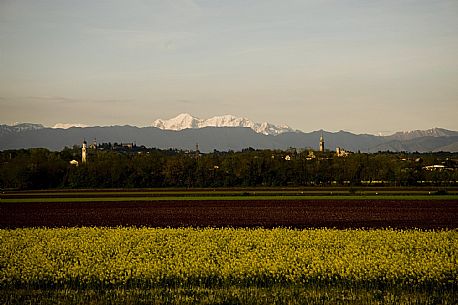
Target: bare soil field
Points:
(373, 213)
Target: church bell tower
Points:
(83, 152)
(321, 143)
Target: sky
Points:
(361, 66)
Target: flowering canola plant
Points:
(158, 257)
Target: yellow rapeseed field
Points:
(158, 257)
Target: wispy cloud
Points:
(50, 98)
(186, 102)
(140, 39)
(63, 99)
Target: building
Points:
(74, 162)
(128, 145)
(435, 167)
(93, 145)
(197, 152)
(84, 152)
(311, 155)
(321, 143)
(340, 152)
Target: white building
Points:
(436, 167)
(340, 152)
(74, 162)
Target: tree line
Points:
(149, 168)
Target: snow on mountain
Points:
(185, 120)
(68, 125)
(26, 126)
(433, 132)
(182, 121)
(18, 127)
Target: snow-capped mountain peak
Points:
(18, 127)
(27, 126)
(433, 132)
(181, 121)
(68, 125)
(185, 120)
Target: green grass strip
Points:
(233, 198)
(216, 192)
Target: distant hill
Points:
(451, 147)
(221, 138)
(343, 139)
(410, 135)
(208, 138)
(421, 144)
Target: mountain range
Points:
(185, 121)
(222, 133)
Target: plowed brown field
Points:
(424, 214)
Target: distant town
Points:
(120, 165)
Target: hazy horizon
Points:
(70, 125)
(359, 66)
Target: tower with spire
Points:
(83, 152)
(321, 143)
(197, 151)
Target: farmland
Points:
(230, 264)
(297, 208)
(207, 246)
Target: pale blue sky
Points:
(362, 66)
